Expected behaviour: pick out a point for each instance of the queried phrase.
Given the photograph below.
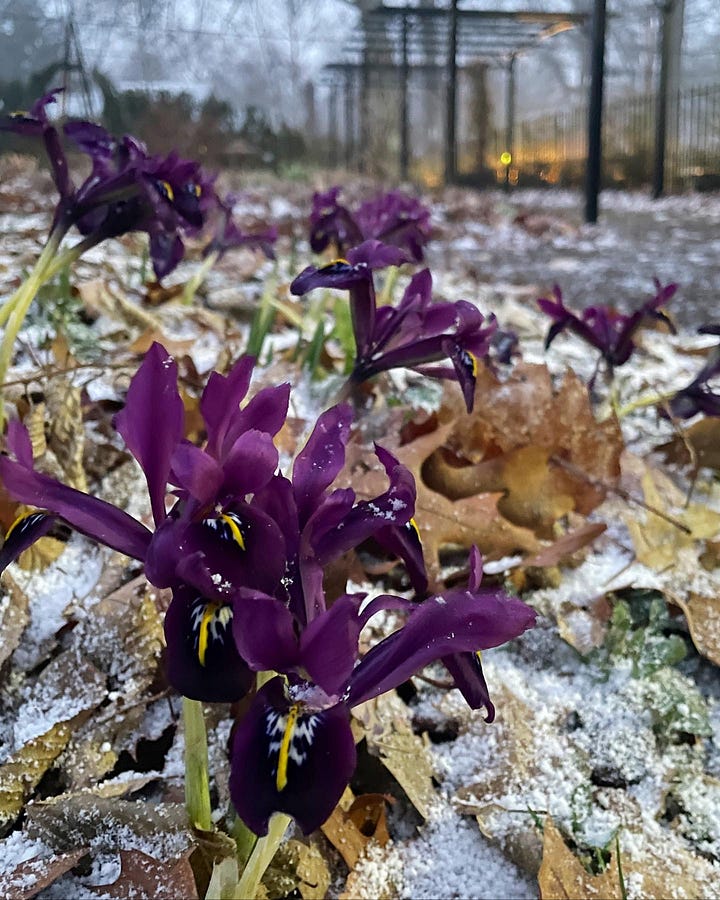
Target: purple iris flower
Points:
(698, 396)
(244, 550)
(127, 189)
(414, 334)
(210, 539)
(293, 751)
(228, 233)
(393, 218)
(235, 523)
(604, 328)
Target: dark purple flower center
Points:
(290, 736)
(230, 527)
(210, 622)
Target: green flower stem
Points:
(67, 257)
(641, 402)
(388, 288)
(192, 284)
(13, 313)
(262, 856)
(245, 840)
(197, 785)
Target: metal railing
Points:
(552, 149)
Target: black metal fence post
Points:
(509, 120)
(451, 103)
(662, 103)
(594, 155)
(404, 105)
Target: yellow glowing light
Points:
(505, 158)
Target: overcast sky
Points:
(263, 51)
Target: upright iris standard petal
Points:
(152, 422)
(265, 412)
(220, 402)
(394, 507)
(202, 659)
(250, 463)
(319, 462)
(289, 757)
(196, 472)
(329, 644)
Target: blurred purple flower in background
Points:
(698, 397)
(603, 327)
(127, 189)
(393, 218)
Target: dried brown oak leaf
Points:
(540, 447)
(563, 877)
(32, 876)
(698, 445)
(442, 522)
(14, 616)
(21, 773)
(123, 639)
(298, 867)
(144, 876)
(108, 824)
(656, 539)
(703, 617)
(389, 735)
(355, 822)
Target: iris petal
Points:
(202, 660)
(297, 761)
(22, 534)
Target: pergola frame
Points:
(397, 40)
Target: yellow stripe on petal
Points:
(17, 521)
(203, 631)
(231, 522)
(283, 756)
(169, 192)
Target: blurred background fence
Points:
(551, 149)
